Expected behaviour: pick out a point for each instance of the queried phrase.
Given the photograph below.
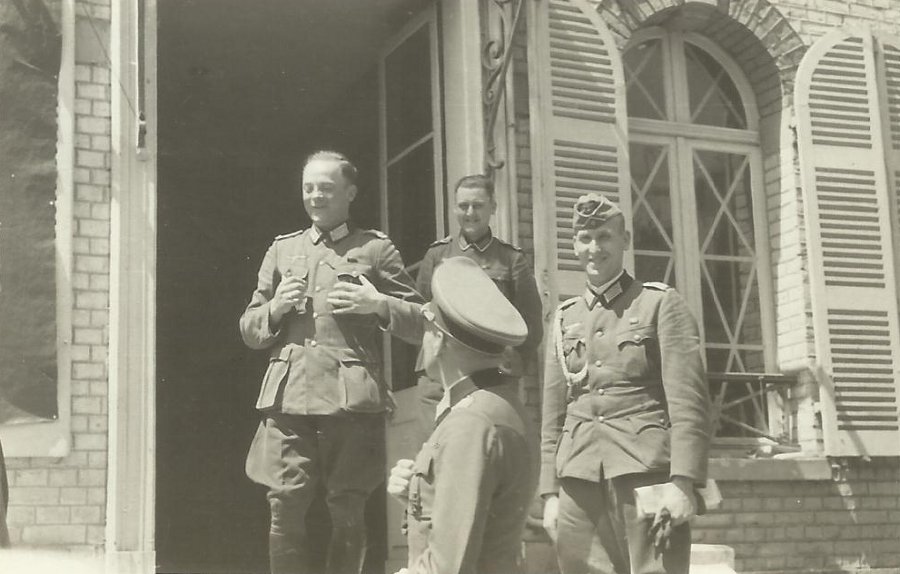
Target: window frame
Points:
(684, 140)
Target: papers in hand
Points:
(648, 499)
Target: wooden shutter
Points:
(851, 260)
(888, 62)
(578, 131)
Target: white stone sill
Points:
(759, 469)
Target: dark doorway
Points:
(246, 89)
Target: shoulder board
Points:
(507, 244)
(376, 233)
(289, 235)
(443, 241)
(568, 303)
(657, 285)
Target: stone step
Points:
(712, 559)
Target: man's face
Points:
(431, 347)
(602, 249)
(473, 209)
(326, 193)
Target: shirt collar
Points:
(336, 234)
(453, 396)
(479, 245)
(607, 292)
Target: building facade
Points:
(753, 144)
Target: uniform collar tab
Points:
(336, 234)
(609, 292)
(479, 245)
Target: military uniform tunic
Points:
(631, 395)
(321, 363)
(473, 484)
(323, 395)
(625, 404)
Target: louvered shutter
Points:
(578, 129)
(889, 76)
(851, 259)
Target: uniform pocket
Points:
(564, 445)
(637, 350)
(362, 392)
(276, 374)
(651, 432)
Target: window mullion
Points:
(687, 245)
(679, 103)
(764, 270)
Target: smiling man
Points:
(323, 297)
(504, 263)
(625, 406)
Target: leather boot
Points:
(347, 550)
(286, 555)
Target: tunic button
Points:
(601, 391)
(637, 337)
(599, 332)
(313, 343)
(318, 288)
(633, 320)
(321, 263)
(484, 265)
(598, 363)
(600, 418)
(315, 316)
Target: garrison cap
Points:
(473, 309)
(592, 210)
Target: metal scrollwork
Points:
(501, 22)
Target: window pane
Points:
(745, 404)
(714, 99)
(410, 191)
(644, 81)
(408, 92)
(730, 289)
(724, 205)
(652, 212)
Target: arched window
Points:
(699, 208)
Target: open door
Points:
(412, 209)
(246, 90)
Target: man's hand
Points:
(551, 514)
(398, 483)
(289, 293)
(362, 299)
(679, 499)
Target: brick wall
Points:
(848, 524)
(62, 502)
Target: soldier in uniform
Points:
(626, 405)
(468, 492)
(324, 296)
(505, 264)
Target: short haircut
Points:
(478, 181)
(348, 170)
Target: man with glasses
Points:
(625, 407)
(323, 298)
